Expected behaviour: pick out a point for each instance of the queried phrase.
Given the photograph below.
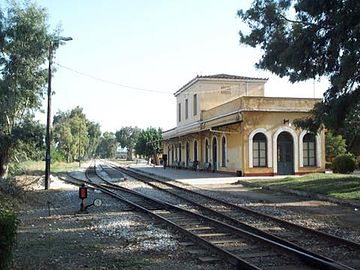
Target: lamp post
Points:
(52, 45)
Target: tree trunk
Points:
(129, 154)
(156, 159)
(4, 160)
(352, 142)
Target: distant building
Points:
(226, 124)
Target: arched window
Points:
(195, 151)
(259, 150)
(223, 152)
(206, 150)
(309, 150)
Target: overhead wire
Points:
(229, 88)
(110, 82)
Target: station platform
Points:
(194, 177)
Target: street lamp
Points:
(53, 44)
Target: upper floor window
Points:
(179, 112)
(259, 150)
(186, 109)
(195, 104)
(309, 150)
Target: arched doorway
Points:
(285, 154)
(195, 151)
(187, 154)
(214, 154)
(179, 153)
(172, 154)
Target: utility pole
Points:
(79, 145)
(48, 116)
(48, 121)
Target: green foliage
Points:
(107, 146)
(335, 146)
(304, 40)
(56, 155)
(343, 164)
(94, 134)
(334, 185)
(74, 135)
(149, 142)
(351, 130)
(8, 225)
(127, 137)
(24, 42)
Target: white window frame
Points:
(268, 146)
(318, 149)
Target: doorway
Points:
(187, 154)
(285, 154)
(214, 154)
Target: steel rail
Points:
(231, 258)
(241, 208)
(235, 222)
(303, 254)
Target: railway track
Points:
(295, 236)
(239, 246)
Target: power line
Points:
(228, 90)
(110, 82)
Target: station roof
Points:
(221, 76)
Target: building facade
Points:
(226, 124)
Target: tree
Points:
(149, 143)
(321, 39)
(75, 137)
(30, 141)
(351, 130)
(127, 137)
(64, 138)
(94, 134)
(80, 134)
(335, 146)
(24, 41)
(107, 146)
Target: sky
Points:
(153, 46)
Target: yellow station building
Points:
(226, 124)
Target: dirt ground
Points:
(52, 235)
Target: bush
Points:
(343, 164)
(8, 224)
(10, 187)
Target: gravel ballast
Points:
(108, 237)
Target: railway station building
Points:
(226, 124)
